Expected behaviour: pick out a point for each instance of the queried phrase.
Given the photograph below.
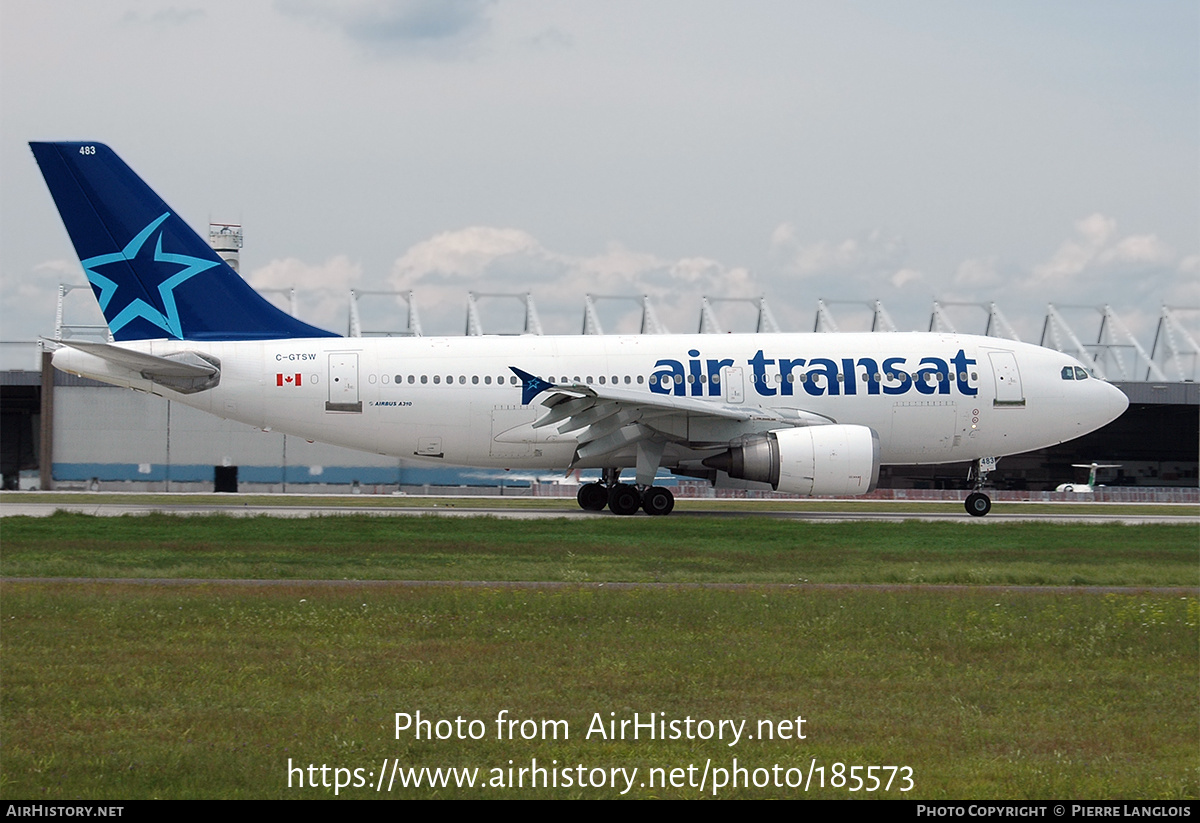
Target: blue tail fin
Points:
(154, 277)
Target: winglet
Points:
(531, 386)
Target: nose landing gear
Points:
(977, 503)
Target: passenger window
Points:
(424, 378)
(487, 379)
(1068, 373)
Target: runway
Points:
(526, 509)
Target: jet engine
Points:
(810, 460)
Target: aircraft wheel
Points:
(978, 504)
(657, 500)
(624, 499)
(592, 497)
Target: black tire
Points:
(624, 499)
(592, 497)
(658, 501)
(978, 504)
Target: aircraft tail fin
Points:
(153, 276)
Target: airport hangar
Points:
(66, 432)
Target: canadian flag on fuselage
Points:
(287, 380)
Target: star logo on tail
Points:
(166, 315)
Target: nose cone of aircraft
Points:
(1109, 403)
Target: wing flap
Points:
(611, 418)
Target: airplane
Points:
(809, 414)
(1090, 486)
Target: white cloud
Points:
(323, 289)
(442, 269)
(977, 274)
(1142, 248)
(905, 276)
(40, 289)
(464, 254)
(397, 26)
(874, 252)
(1096, 245)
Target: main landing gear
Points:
(978, 504)
(623, 498)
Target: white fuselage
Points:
(931, 398)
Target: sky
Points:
(1019, 152)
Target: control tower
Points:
(226, 240)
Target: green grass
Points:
(709, 550)
(121, 691)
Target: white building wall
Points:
(110, 435)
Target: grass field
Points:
(717, 550)
(120, 690)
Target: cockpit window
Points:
(1080, 374)
(1068, 373)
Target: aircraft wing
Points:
(609, 419)
(187, 372)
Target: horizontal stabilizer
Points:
(186, 372)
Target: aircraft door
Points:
(1008, 379)
(735, 389)
(343, 383)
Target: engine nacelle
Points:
(810, 460)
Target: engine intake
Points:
(809, 460)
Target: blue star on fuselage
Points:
(167, 318)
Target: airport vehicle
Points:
(814, 414)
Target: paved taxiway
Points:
(473, 507)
